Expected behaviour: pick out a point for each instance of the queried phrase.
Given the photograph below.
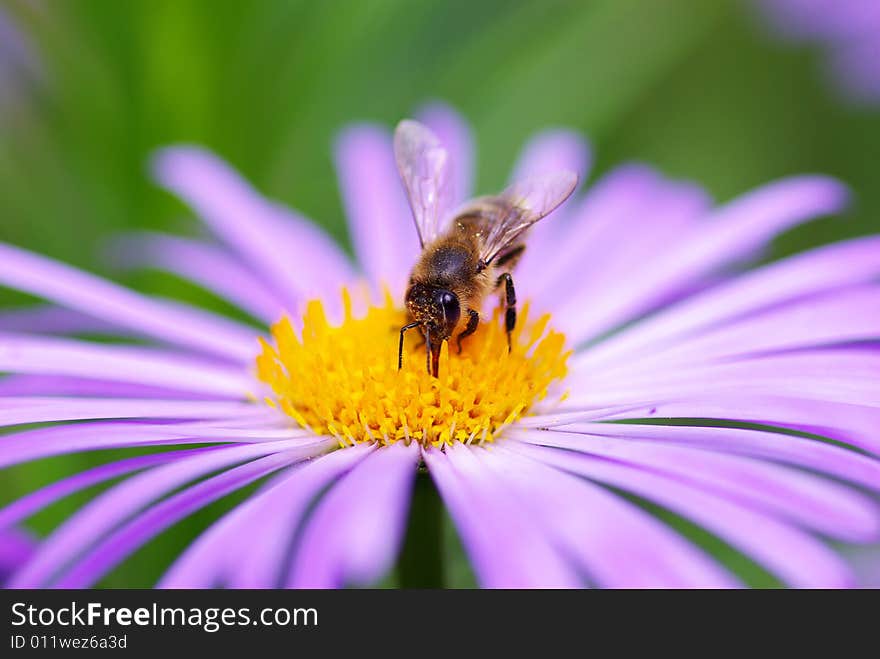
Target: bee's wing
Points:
(521, 205)
(424, 166)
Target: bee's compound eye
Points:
(451, 308)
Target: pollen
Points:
(342, 380)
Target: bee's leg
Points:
(403, 330)
(510, 303)
(473, 321)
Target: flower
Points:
(848, 29)
(646, 376)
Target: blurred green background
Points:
(695, 87)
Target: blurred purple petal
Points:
(822, 18)
(844, 375)
(127, 364)
(67, 286)
(619, 545)
(849, 30)
(47, 319)
(19, 410)
(36, 386)
(455, 136)
(19, 65)
(854, 70)
(297, 259)
(504, 542)
(794, 556)
(851, 424)
(831, 318)
(587, 228)
(356, 530)
(815, 455)
(865, 561)
(28, 505)
(203, 264)
(382, 230)
(121, 543)
(731, 233)
(16, 547)
(119, 503)
(59, 440)
(550, 151)
(674, 211)
(248, 547)
(806, 500)
(818, 270)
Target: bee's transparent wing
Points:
(424, 166)
(521, 205)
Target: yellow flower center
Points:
(343, 381)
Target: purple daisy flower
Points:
(849, 30)
(633, 316)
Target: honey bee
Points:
(469, 253)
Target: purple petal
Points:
(296, 258)
(832, 318)
(674, 211)
(28, 505)
(47, 319)
(551, 151)
(851, 424)
(852, 66)
(61, 440)
(381, 225)
(119, 503)
(843, 375)
(865, 562)
(98, 297)
(136, 365)
(588, 228)
(203, 264)
(122, 543)
(506, 547)
(822, 269)
(248, 547)
(814, 502)
(62, 385)
(618, 544)
(822, 19)
(795, 557)
(19, 410)
(733, 232)
(16, 547)
(19, 65)
(455, 136)
(812, 454)
(355, 533)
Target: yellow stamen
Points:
(344, 381)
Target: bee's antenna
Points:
(403, 329)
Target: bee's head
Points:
(437, 310)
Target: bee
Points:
(469, 253)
